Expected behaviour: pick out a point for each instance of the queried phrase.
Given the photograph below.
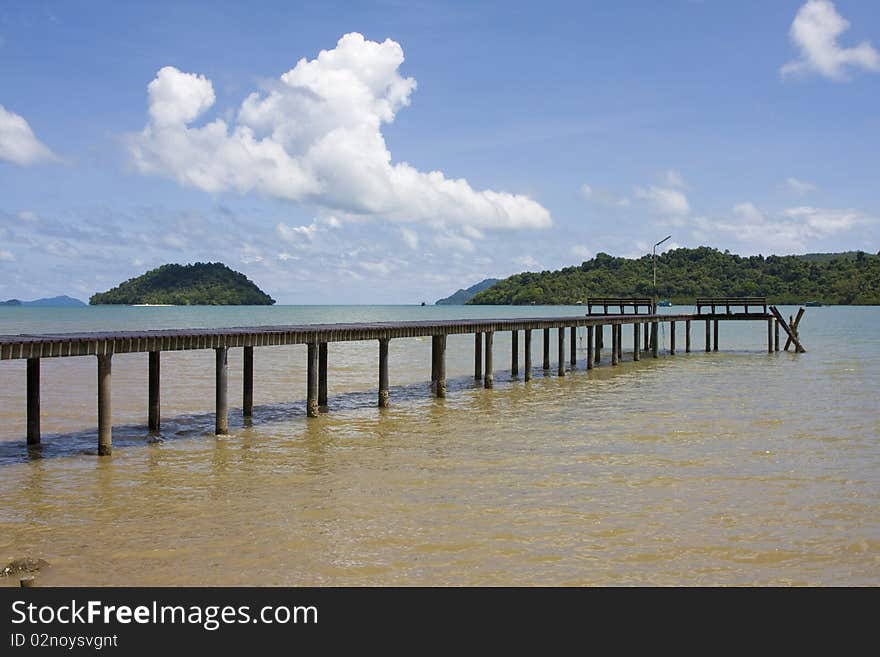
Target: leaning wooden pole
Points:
(799, 348)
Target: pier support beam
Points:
(434, 349)
(478, 356)
(247, 383)
(322, 377)
(715, 337)
(775, 335)
(383, 372)
(573, 357)
(637, 332)
(672, 338)
(560, 337)
(105, 415)
(687, 336)
(546, 349)
(647, 337)
(597, 357)
(33, 401)
(153, 392)
(488, 378)
(514, 353)
(590, 331)
(441, 366)
(708, 335)
(312, 380)
(769, 336)
(221, 420)
(527, 372)
(619, 328)
(655, 339)
(615, 355)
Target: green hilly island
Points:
(684, 274)
(199, 284)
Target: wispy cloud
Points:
(664, 199)
(814, 32)
(799, 187)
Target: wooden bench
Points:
(728, 302)
(622, 303)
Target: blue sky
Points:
(431, 144)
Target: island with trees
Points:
(684, 274)
(202, 283)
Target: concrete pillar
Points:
(312, 380)
(514, 353)
(247, 392)
(560, 336)
(488, 378)
(322, 377)
(441, 366)
(573, 358)
(221, 420)
(615, 355)
(33, 401)
(655, 339)
(383, 372)
(527, 373)
(546, 349)
(478, 356)
(590, 331)
(637, 333)
(105, 415)
(687, 336)
(715, 337)
(672, 338)
(153, 392)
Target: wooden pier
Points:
(103, 346)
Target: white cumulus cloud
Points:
(814, 31)
(18, 144)
(315, 137)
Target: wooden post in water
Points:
(573, 358)
(769, 336)
(247, 383)
(514, 353)
(322, 377)
(637, 332)
(615, 357)
(655, 339)
(434, 368)
(312, 380)
(598, 347)
(527, 373)
(383, 372)
(715, 337)
(478, 356)
(221, 379)
(619, 342)
(105, 415)
(546, 349)
(647, 337)
(687, 336)
(708, 335)
(672, 338)
(590, 332)
(775, 335)
(560, 336)
(488, 378)
(441, 365)
(33, 401)
(153, 392)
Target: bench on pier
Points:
(621, 303)
(731, 302)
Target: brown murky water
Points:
(737, 467)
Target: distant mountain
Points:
(63, 301)
(200, 284)
(463, 296)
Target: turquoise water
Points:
(736, 467)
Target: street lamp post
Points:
(654, 263)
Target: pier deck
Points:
(103, 345)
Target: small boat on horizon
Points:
(664, 303)
(813, 304)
